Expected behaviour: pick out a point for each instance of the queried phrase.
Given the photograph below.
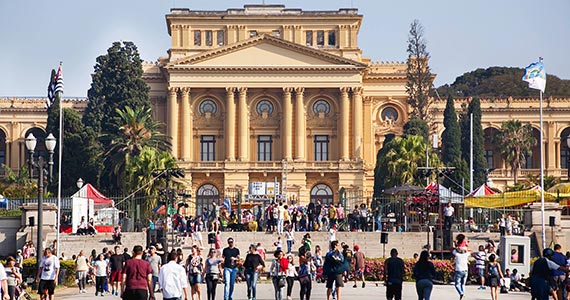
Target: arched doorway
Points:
(564, 150)
(2, 150)
(323, 193)
(492, 153)
(533, 160)
(206, 194)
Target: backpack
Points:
(493, 271)
(347, 255)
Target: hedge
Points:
(29, 270)
(374, 269)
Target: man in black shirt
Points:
(231, 257)
(117, 261)
(126, 254)
(394, 275)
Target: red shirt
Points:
(137, 271)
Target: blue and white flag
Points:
(535, 75)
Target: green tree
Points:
(451, 147)
(419, 77)
(416, 126)
(515, 142)
(403, 157)
(116, 83)
(479, 161)
(379, 172)
(137, 130)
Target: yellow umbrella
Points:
(563, 188)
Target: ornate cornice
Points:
(262, 68)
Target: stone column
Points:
(230, 131)
(357, 122)
(345, 113)
(186, 130)
(287, 123)
(172, 119)
(300, 123)
(243, 127)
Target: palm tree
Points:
(515, 142)
(136, 131)
(404, 156)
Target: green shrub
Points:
(29, 270)
(374, 269)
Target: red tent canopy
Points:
(90, 192)
(483, 190)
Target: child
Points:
(461, 244)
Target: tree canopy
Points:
(501, 82)
(451, 147)
(418, 73)
(515, 142)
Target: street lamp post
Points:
(31, 142)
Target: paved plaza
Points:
(265, 292)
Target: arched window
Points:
(264, 106)
(208, 106)
(206, 194)
(2, 150)
(564, 150)
(323, 193)
(389, 113)
(321, 106)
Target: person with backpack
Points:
(334, 266)
(494, 276)
(305, 278)
(358, 264)
(278, 268)
(541, 276)
(347, 253)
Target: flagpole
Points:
(542, 177)
(60, 154)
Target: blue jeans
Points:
(251, 280)
(289, 246)
(423, 288)
(460, 279)
(229, 279)
(278, 290)
(154, 282)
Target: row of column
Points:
(242, 115)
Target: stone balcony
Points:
(273, 166)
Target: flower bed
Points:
(374, 269)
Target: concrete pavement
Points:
(265, 292)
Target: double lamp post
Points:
(50, 143)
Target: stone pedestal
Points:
(533, 218)
(28, 233)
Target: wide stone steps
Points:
(72, 244)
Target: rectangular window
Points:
(332, 38)
(527, 163)
(489, 158)
(220, 38)
(320, 38)
(197, 38)
(264, 143)
(309, 38)
(321, 147)
(209, 38)
(252, 33)
(207, 148)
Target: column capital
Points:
(173, 90)
(185, 90)
(287, 90)
(344, 90)
(242, 90)
(230, 90)
(357, 89)
(299, 90)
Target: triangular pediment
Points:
(265, 51)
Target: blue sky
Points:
(462, 35)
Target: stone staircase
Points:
(72, 244)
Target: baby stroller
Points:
(21, 293)
(319, 275)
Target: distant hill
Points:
(501, 82)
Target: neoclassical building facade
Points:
(265, 94)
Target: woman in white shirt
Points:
(101, 270)
(291, 273)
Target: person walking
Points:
(280, 218)
(101, 270)
(172, 279)
(394, 275)
(253, 265)
(155, 261)
(334, 266)
(116, 264)
(212, 269)
(47, 274)
(82, 267)
(137, 278)
(559, 276)
(461, 268)
(359, 263)
(494, 276)
(305, 277)
(291, 274)
(424, 272)
(13, 276)
(290, 237)
(231, 257)
(3, 283)
(541, 275)
(480, 257)
(278, 268)
(195, 267)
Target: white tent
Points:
(445, 195)
(85, 202)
